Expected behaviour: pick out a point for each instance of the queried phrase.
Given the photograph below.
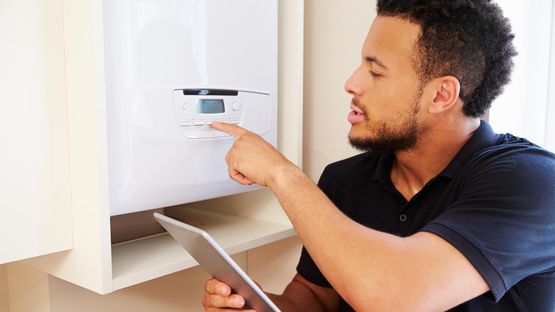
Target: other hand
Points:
(218, 298)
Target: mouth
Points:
(356, 115)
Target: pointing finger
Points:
(230, 129)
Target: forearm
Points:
(297, 297)
(283, 303)
(287, 304)
(358, 262)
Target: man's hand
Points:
(218, 298)
(251, 159)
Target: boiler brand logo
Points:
(204, 92)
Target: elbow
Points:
(377, 299)
(390, 304)
(388, 298)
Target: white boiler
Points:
(171, 68)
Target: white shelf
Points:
(145, 259)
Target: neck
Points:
(436, 147)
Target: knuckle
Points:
(211, 301)
(237, 143)
(209, 286)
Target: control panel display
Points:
(211, 106)
(196, 109)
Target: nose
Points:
(352, 85)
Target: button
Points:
(198, 123)
(236, 106)
(234, 122)
(185, 106)
(403, 217)
(185, 124)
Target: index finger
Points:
(230, 129)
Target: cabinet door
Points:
(35, 216)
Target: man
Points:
(439, 212)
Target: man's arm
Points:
(371, 270)
(300, 295)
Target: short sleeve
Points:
(503, 221)
(306, 267)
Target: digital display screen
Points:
(211, 106)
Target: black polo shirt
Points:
(495, 202)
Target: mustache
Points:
(355, 101)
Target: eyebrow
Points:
(374, 59)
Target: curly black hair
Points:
(468, 39)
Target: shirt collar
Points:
(481, 138)
(383, 169)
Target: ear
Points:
(446, 94)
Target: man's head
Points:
(425, 58)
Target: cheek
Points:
(391, 101)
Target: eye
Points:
(374, 74)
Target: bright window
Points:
(527, 107)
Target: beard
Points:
(393, 135)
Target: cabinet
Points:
(35, 215)
(239, 222)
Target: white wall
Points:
(4, 303)
(334, 33)
(28, 289)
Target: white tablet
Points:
(204, 249)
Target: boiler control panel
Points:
(196, 108)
